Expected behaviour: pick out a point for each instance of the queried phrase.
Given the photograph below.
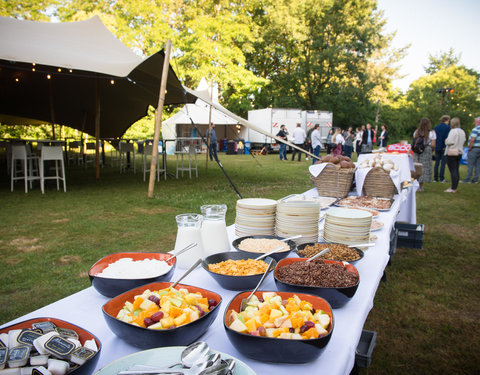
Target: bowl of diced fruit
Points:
(279, 327)
(157, 315)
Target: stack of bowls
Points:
(347, 226)
(298, 217)
(255, 216)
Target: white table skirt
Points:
(85, 309)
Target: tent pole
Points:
(97, 129)
(158, 118)
(209, 125)
(52, 110)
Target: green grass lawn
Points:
(426, 314)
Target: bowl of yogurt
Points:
(116, 273)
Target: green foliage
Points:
(442, 61)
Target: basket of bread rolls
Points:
(336, 178)
(378, 183)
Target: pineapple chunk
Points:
(156, 326)
(321, 331)
(238, 326)
(269, 332)
(324, 320)
(181, 319)
(167, 322)
(191, 298)
(267, 295)
(297, 300)
(129, 306)
(274, 314)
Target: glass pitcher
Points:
(189, 230)
(214, 230)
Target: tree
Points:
(441, 61)
(320, 55)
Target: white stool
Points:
(19, 154)
(124, 148)
(147, 150)
(90, 153)
(54, 153)
(75, 152)
(192, 157)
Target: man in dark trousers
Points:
(441, 132)
(283, 147)
(367, 139)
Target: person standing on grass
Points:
(283, 133)
(316, 142)
(299, 140)
(383, 139)
(213, 142)
(473, 159)
(425, 132)
(454, 149)
(338, 141)
(441, 131)
(358, 141)
(349, 138)
(367, 139)
(328, 141)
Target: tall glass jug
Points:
(214, 230)
(189, 230)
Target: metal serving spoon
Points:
(245, 300)
(318, 254)
(192, 354)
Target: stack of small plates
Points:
(298, 217)
(347, 226)
(255, 217)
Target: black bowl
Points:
(110, 287)
(303, 245)
(337, 297)
(146, 338)
(269, 349)
(277, 256)
(235, 282)
(83, 335)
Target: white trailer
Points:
(270, 119)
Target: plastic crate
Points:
(393, 244)
(363, 354)
(410, 235)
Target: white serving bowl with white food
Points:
(116, 273)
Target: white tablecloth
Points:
(403, 161)
(85, 309)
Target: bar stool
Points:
(75, 152)
(124, 149)
(147, 150)
(89, 153)
(54, 153)
(19, 155)
(192, 157)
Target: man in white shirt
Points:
(299, 140)
(316, 142)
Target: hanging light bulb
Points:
(70, 70)
(16, 80)
(59, 69)
(49, 76)
(112, 82)
(33, 69)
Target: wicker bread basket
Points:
(378, 183)
(334, 181)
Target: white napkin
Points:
(316, 169)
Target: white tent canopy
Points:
(84, 45)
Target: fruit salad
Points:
(165, 309)
(270, 316)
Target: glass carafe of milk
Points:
(214, 230)
(189, 230)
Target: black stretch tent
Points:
(49, 72)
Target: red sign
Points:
(329, 124)
(275, 124)
(399, 148)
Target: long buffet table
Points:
(85, 309)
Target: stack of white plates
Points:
(255, 216)
(347, 226)
(298, 217)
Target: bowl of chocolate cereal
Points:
(335, 281)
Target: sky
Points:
(431, 27)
